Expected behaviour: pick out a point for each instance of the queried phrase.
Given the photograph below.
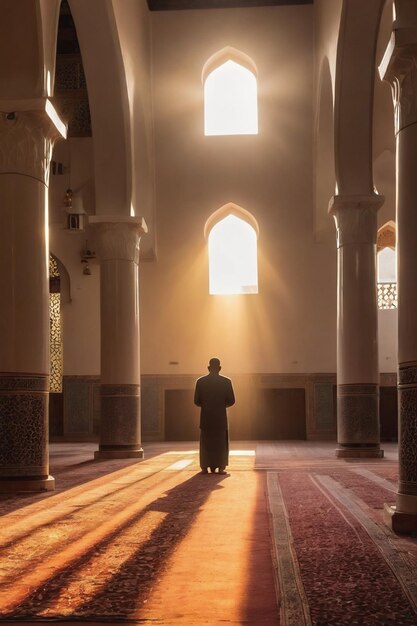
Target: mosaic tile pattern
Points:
(358, 415)
(23, 426)
(120, 415)
(408, 428)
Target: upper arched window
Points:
(233, 254)
(387, 267)
(230, 94)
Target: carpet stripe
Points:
(382, 482)
(346, 579)
(380, 535)
(293, 602)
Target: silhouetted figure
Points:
(214, 393)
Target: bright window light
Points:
(387, 271)
(233, 263)
(230, 101)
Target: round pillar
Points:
(118, 249)
(357, 326)
(26, 140)
(398, 68)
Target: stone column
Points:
(399, 67)
(357, 326)
(26, 141)
(118, 250)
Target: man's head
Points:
(214, 366)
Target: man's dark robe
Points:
(214, 393)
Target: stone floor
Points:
(290, 536)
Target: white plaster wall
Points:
(290, 325)
(81, 314)
(388, 340)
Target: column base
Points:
(362, 452)
(100, 455)
(10, 485)
(402, 523)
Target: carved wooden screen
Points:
(55, 336)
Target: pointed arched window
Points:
(230, 94)
(233, 255)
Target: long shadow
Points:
(68, 476)
(65, 480)
(259, 603)
(127, 589)
(122, 490)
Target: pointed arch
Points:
(230, 94)
(230, 208)
(232, 234)
(228, 54)
(386, 236)
(113, 177)
(355, 74)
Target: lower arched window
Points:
(233, 255)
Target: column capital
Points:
(118, 237)
(355, 218)
(399, 68)
(28, 131)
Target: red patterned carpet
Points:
(292, 536)
(347, 577)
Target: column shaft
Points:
(118, 248)
(398, 67)
(26, 139)
(357, 345)
(407, 328)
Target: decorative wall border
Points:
(21, 382)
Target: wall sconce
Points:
(86, 256)
(73, 206)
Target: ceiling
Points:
(171, 5)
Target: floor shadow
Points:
(127, 589)
(67, 477)
(259, 603)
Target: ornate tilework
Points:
(358, 414)
(120, 415)
(120, 420)
(408, 438)
(150, 406)
(23, 382)
(23, 434)
(407, 374)
(120, 390)
(323, 406)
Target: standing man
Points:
(214, 393)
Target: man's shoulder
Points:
(217, 379)
(201, 379)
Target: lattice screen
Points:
(387, 296)
(55, 336)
